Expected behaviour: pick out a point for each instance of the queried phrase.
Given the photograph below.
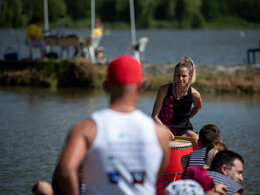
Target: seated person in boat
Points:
(177, 102)
(208, 134)
(227, 168)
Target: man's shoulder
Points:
(201, 151)
(197, 157)
(83, 124)
(107, 114)
(99, 112)
(219, 178)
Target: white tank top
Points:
(125, 156)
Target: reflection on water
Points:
(34, 123)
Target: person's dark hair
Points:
(35, 19)
(209, 134)
(224, 157)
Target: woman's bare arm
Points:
(197, 102)
(158, 103)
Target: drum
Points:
(173, 172)
(195, 147)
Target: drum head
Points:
(180, 144)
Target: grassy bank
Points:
(50, 73)
(211, 79)
(81, 73)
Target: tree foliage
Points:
(177, 13)
(78, 9)
(10, 13)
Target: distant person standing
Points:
(34, 35)
(99, 29)
(122, 149)
(173, 105)
(96, 35)
(93, 41)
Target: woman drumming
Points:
(173, 104)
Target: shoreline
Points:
(210, 79)
(80, 72)
(158, 69)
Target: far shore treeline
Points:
(184, 14)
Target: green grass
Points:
(230, 22)
(80, 72)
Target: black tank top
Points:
(175, 113)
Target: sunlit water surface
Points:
(34, 124)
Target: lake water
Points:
(34, 123)
(205, 47)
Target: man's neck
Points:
(122, 107)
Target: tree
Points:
(113, 10)
(188, 13)
(210, 9)
(144, 12)
(78, 9)
(10, 13)
(165, 10)
(56, 9)
(248, 9)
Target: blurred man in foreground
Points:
(122, 149)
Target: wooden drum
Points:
(178, 148)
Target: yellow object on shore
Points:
(97, 32)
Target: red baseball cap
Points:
(123, 70)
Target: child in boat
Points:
(209, 134)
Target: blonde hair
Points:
(188, 63)
(212, 150)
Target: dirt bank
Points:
(158, 69)
(210, 78)
(81, 73)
